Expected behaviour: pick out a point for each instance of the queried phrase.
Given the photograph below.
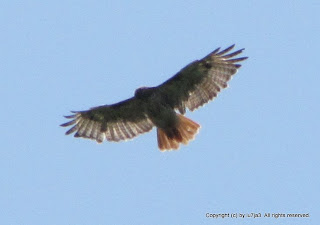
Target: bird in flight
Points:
(162, 106)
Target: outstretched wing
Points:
(116, 122)
(201, 80)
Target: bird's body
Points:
(196, 84)
(169, 124)
(158, 110)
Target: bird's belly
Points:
(163, 116)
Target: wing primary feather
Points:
(233, 54)
(73, 129)
(83, 127)
(68, 123)
(226, 50)
(87, 131)
(70, 116)
(237, 65)
(236, 60)
(215, 51)
(76, 111)
(80, 122)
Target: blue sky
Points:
(257, 150)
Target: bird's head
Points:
(143, 92)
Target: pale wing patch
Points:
(113, 131)
(208, 89)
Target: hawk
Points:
(162, 106)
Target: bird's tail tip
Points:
(183, 133)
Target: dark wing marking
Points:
(120, 121)
(201, 80)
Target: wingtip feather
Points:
(68, 123)
(226, 50)
(71, 130)
(69, 116)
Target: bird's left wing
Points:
(201, 80)
(120, 121)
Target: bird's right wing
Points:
(120, 121)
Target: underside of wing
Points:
(121, 121)
(201, 80)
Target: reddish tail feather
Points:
(183, 133)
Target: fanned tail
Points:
(183, 133)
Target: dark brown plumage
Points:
(192, 87)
